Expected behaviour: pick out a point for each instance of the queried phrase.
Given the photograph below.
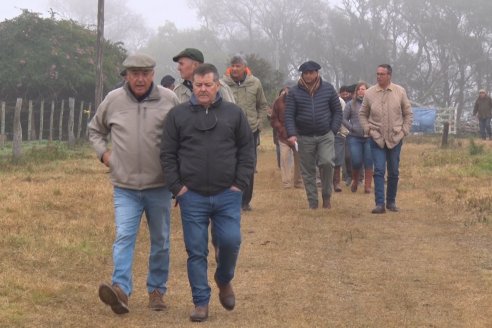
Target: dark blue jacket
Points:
(313, 116)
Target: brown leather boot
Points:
(156, 301)
(327, 202)
(226, 295)
(115, 297)
(355, 180)
(367, 180)
(336, 179)
(199, 313)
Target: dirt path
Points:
(422, 267)
(428, 266)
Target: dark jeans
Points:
(223, 212)
(484, 125)
(385, 158)
(248, 192)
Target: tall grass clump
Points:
(475, 149)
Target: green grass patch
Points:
(41, 152)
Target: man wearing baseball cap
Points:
(313, 116)
(133, 118)
(188, 60)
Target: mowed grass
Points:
(428, 266)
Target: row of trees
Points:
(440, 49)
(45, 58)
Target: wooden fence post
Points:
(29, 121)
(52, 114)
(445, 133)
(60, 127)
(71, 119)
(89, 113)
(17, 139)
(31, 126)
(3, 137)
(41, 120)
(79, 123)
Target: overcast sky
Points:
(155, 11)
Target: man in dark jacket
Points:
(483, 110)
(207, 158)
(313, 116)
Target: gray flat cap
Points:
(139, 61)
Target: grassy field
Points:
(428, 266)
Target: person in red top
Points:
(289, 157)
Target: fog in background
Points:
(440, 50)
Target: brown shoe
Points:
(368, 174)
(326, 203)
(226, 295)
(199, 313)
(355, 180)
(156, 301)
(379, 209)
(336, 179)
(115, 297)
(392, 207)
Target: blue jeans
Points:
(385, 158)
(129, 205)
(484, 125)
(223, 210)
(360, 152)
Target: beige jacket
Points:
(136, 130)
(184, 94)
(386, 114)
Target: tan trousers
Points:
(289, 167)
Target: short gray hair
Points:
(239, 59)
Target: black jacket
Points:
(312, 116)
(207, 151)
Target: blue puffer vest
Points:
(313, 116)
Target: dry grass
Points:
(428, 266)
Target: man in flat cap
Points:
(133, 116)
(313, 116)
(188, 60)
(483, 111)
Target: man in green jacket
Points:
(249, 95)
(188, 60)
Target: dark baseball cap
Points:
(191, 53)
